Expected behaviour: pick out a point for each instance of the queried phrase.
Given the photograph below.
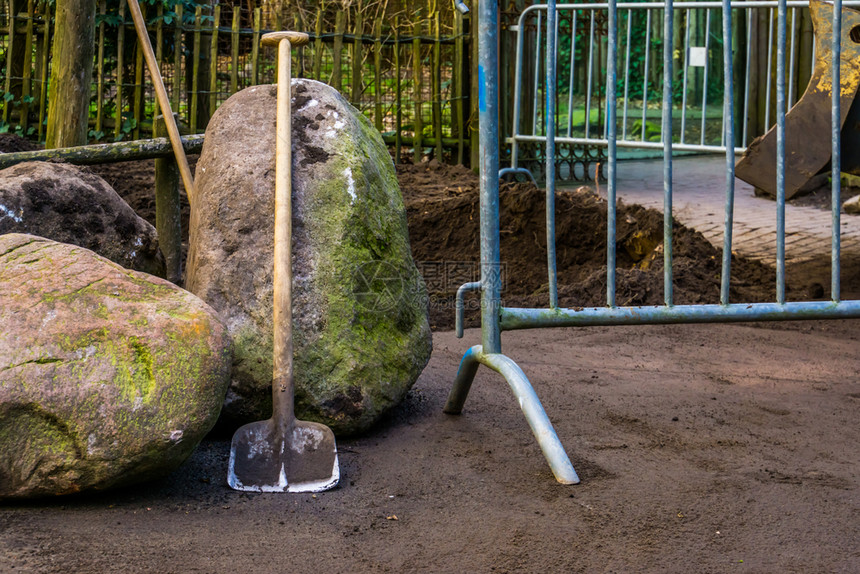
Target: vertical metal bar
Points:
(645, 75)
(744, 128)
(729, 134)
(535, 95)
(836, 151)
(668, 25)
(488, 126)
(572, 72)
(686, 70)
(780, 153)
(611, 135)
(549, 95)
(769, 69)
(792, 59)
(588, 80)
(515, 147)
(626, 74)
(705, 78)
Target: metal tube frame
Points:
(495, 318)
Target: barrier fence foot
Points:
(463, 382)
(528, 400)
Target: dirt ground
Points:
(701, 448)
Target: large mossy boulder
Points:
(360, 326)
(72, 205)
(107, 376)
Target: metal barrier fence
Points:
(697, 77)
(495, 318)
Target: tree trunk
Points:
(71, 73)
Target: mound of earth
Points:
(443, 211)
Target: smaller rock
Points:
(852, 206)
(71, 205)
(108, 377)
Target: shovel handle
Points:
(163, 101)
(282, 380)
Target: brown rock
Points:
(360, 323)
(107, 376)
(71, 205)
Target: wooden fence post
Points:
(43, 76)
(357, 56)
(337, 72)
(418, 126)
(474, 152)
(255, 47)
(234, 52)
(26, 89)
(138, 82)
(10, 52)
(317, 70)
(458, 82)
(195, 69)
(168, 209)
(436, 76)
(398, 97)
(120, 56)
(177, 59)
(377, 74)
(213, 61)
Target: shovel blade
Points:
(264, 458)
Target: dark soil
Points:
(443, 211)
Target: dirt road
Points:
(701, 449)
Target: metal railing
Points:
(495, 318)
(581, 87)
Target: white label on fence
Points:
(698, 57)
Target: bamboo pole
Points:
(458, 83)
(318, 49)
(195, 69)
(255, 47)
(418, 126)
(138, 84)
(377, 74)
(474, 151)
(26, 88)
(213, 61)
(159, 57)
(43, 77)
(437, 85)
(398, 97)
(116, 152)
(120, 56)
(177, 59)
(337, 72)
(10, 57)
(357, 56)
(234, 51)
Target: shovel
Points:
(283, 454)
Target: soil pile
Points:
(443, 211)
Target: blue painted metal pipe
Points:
(836, 174)
(668, 49)
(611, 136)
(550, 119)
(780, 152)
(729, 127)
(488, 140)
(515, 318)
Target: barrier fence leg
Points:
(528, 400)
(465, 375)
